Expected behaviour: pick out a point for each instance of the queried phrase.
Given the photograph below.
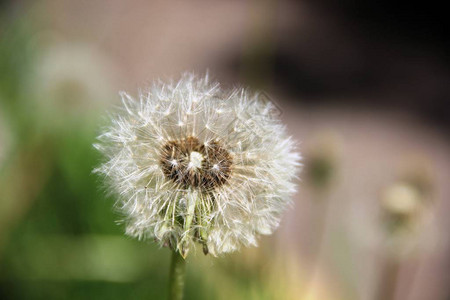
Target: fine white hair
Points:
(191, 163)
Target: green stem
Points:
(176, 280)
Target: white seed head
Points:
(196, 160)
(192, 163)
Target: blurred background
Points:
(363, 85)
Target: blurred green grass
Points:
(59, 238)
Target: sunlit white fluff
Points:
(234, 187)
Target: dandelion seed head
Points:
(191, 163)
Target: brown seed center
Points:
(192, 164)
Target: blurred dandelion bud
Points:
(191, 164)
(405, 216)
(323, 157)
(419, 174)
(406, 219)
(401, 206)
(72, 82)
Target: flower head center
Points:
(189, 163)
(195, 160)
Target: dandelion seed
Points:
(225, 165)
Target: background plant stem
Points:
(177, 274)
(388, 279)
(319, 241)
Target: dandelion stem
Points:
(176, 279)
(388, 279)
(319, 243)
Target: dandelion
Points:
(66, 81)
(407, 220)
(192, 164)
